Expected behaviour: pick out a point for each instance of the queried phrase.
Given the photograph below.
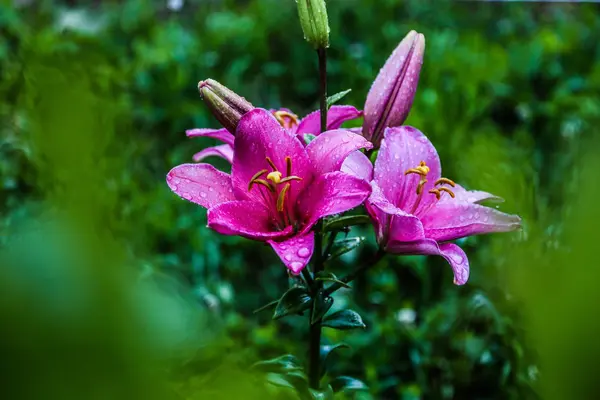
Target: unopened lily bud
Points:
(391, 96)
(313, 19)
(225, 105)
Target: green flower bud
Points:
(227, 106)
(313, 19)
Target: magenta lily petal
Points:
(328, 151)
(336, 116)
(296, 251)
(390, 98)
(471, 196)
(201, 184)
(458, 219)
(224, 151)
(220, 134)
(258, 136)
(404, 148)
(244, 218)
(403, 227)
(357, 164)
(455, 256)
(332, 193)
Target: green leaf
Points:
(347, 383)
(330, 277)
(340, 223)
(294, 380)
(344, 320)
(266, 306)
(285, 363)
(331, 100)
(345, 245)
(326, 350)
(321, 305)
(326, 394)
(309, 137)
(293, 301)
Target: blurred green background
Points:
(111, 287)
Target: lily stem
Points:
(314, 350)
(354, 274)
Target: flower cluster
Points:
(281, 185)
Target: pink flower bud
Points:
(224, 104)
(391, 96)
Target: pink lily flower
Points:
(417, 211)
(336, 116)
(278, 188)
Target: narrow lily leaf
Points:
(308, 137)
(285, 363)
(345, 245)
(347, 383)
(331, 100)
(321, 305)
(266, 306)
(326, 350)
(340, 223)
(293, 301)
(344, 320)
(330, 277)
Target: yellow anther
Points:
(281, 116)
(290, 178)
(273, 167)
(436, 192)
(281, 197)
(255, 177)
(274, 177)
(421, 184)
(422, 169)
(266, 184)
(447, 181)
(288, 166)
(450, 192)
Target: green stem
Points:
(314, 350)
(354, 274)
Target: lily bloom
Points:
(336, 116)
(278, 188)
(417, 211)
(391, 96)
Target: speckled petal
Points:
(336, 116)
(471, 196)
(258, 136)
(224, 151)
(220, 134)
(296, 251)
(359, 165)
(201, 184)
(457, 219)
(332, 193)
(244, 218)
(328, 151)
(404, 148)
(455, 256)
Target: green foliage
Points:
(112, 287)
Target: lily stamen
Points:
(281, 197)
(422, 170)
(281, 115)
(445, 189)
(447, 181)
(288, 166)
(290, 178)
(271, 163)
(437, 193)
(255, 177)
(266, 184)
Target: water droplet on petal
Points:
(303, 252)
(296, 265)
(203, 195)
(288, 257)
